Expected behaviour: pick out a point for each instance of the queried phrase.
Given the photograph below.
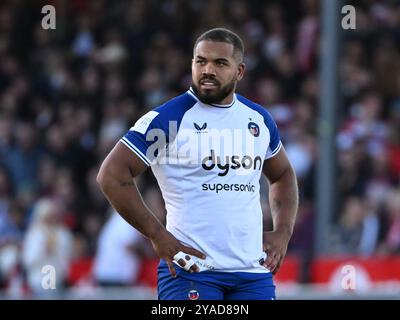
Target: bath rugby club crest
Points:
(254, 129)
(193, 295)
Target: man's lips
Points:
(207, 83)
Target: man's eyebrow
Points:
(218, 59)
(221, 60)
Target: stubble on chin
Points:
(214, 98)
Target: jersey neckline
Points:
(222, 106)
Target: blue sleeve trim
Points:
(136, 151)
(276, 149)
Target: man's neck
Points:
(226, 102)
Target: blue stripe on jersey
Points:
(135, 150)
(277, 148)
(172, 110)
(275, 141)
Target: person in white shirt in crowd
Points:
(117, 262)
(47, 248)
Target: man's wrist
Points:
(285, 230)
(156, 233)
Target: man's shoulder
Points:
(176, 107)
(161, 116)
(255, 106)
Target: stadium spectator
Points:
(117, 262)
(47, 242)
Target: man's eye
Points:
(200, 61)
(221, 63)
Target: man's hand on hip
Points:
(275, 246)
(170, 249)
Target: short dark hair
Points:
(222, 35)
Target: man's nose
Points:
(208, 69)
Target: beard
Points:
(216, 96)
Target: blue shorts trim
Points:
(212, 285)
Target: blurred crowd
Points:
(67, 95)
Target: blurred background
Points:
(67, 95)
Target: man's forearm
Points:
(124, 196)
(284, 201)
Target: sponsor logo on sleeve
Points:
(143, 123)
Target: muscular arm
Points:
(283, 191)
(116, 180)
(283, 198)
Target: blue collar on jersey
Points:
(191, 92)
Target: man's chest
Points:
(229, 140)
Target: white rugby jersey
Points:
(208, 160)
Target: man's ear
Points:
(240, 71)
